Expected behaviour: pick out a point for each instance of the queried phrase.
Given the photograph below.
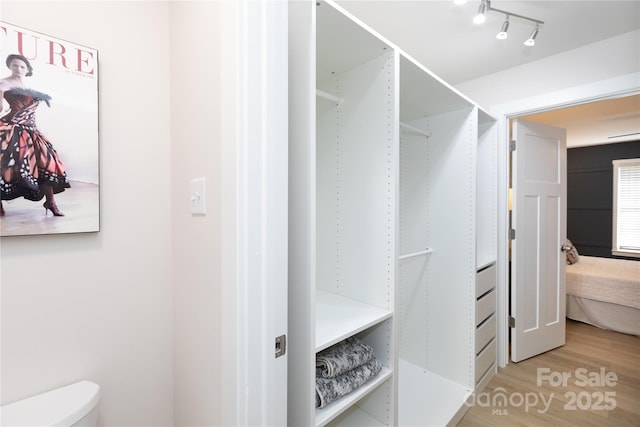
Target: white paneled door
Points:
(539, 221)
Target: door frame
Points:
(605, 89)
(254, 212)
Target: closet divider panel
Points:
(451, 223)
(436, 373)
(487, 191)
(437, 291)
(413, 297)
(486, 249)
(327, 194)
(380, 404)
(302, 211)
(356, 185)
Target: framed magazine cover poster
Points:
(49, 153)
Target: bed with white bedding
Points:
(605, 292)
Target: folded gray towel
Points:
(330, 389)
(342, 357)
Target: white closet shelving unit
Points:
(383, 174)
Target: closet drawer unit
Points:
(485, 333)
(485, 306)
(485, 360)
(485, 280)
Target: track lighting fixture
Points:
(531, 41)
(485, 6)
(503, 31)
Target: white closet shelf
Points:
(357, 418)
(427, 398)
(332, 410)
(338, 318)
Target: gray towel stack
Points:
(343, 368)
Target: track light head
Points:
(503, 31)
(531, 41)
(482, 9)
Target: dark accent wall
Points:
(590, 195)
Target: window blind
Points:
(626, 203)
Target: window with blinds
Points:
(626, 207)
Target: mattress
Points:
(605, 292)
(605, 315)
(610, 280)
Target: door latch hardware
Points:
(281, 345)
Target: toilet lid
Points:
(60, 407)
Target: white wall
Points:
(599, 61)
(99, 306)
(195, 111)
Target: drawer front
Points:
(485, 306)
(485, 333)
(485, 280)
(485, 360)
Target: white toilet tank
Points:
(72, 405)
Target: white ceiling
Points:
(604, 122)
(440, 35)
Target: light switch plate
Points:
(198, 205)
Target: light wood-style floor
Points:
(80, 205)
(591, 355)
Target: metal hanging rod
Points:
(326, 95)
(415, 254)
(414, 129)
